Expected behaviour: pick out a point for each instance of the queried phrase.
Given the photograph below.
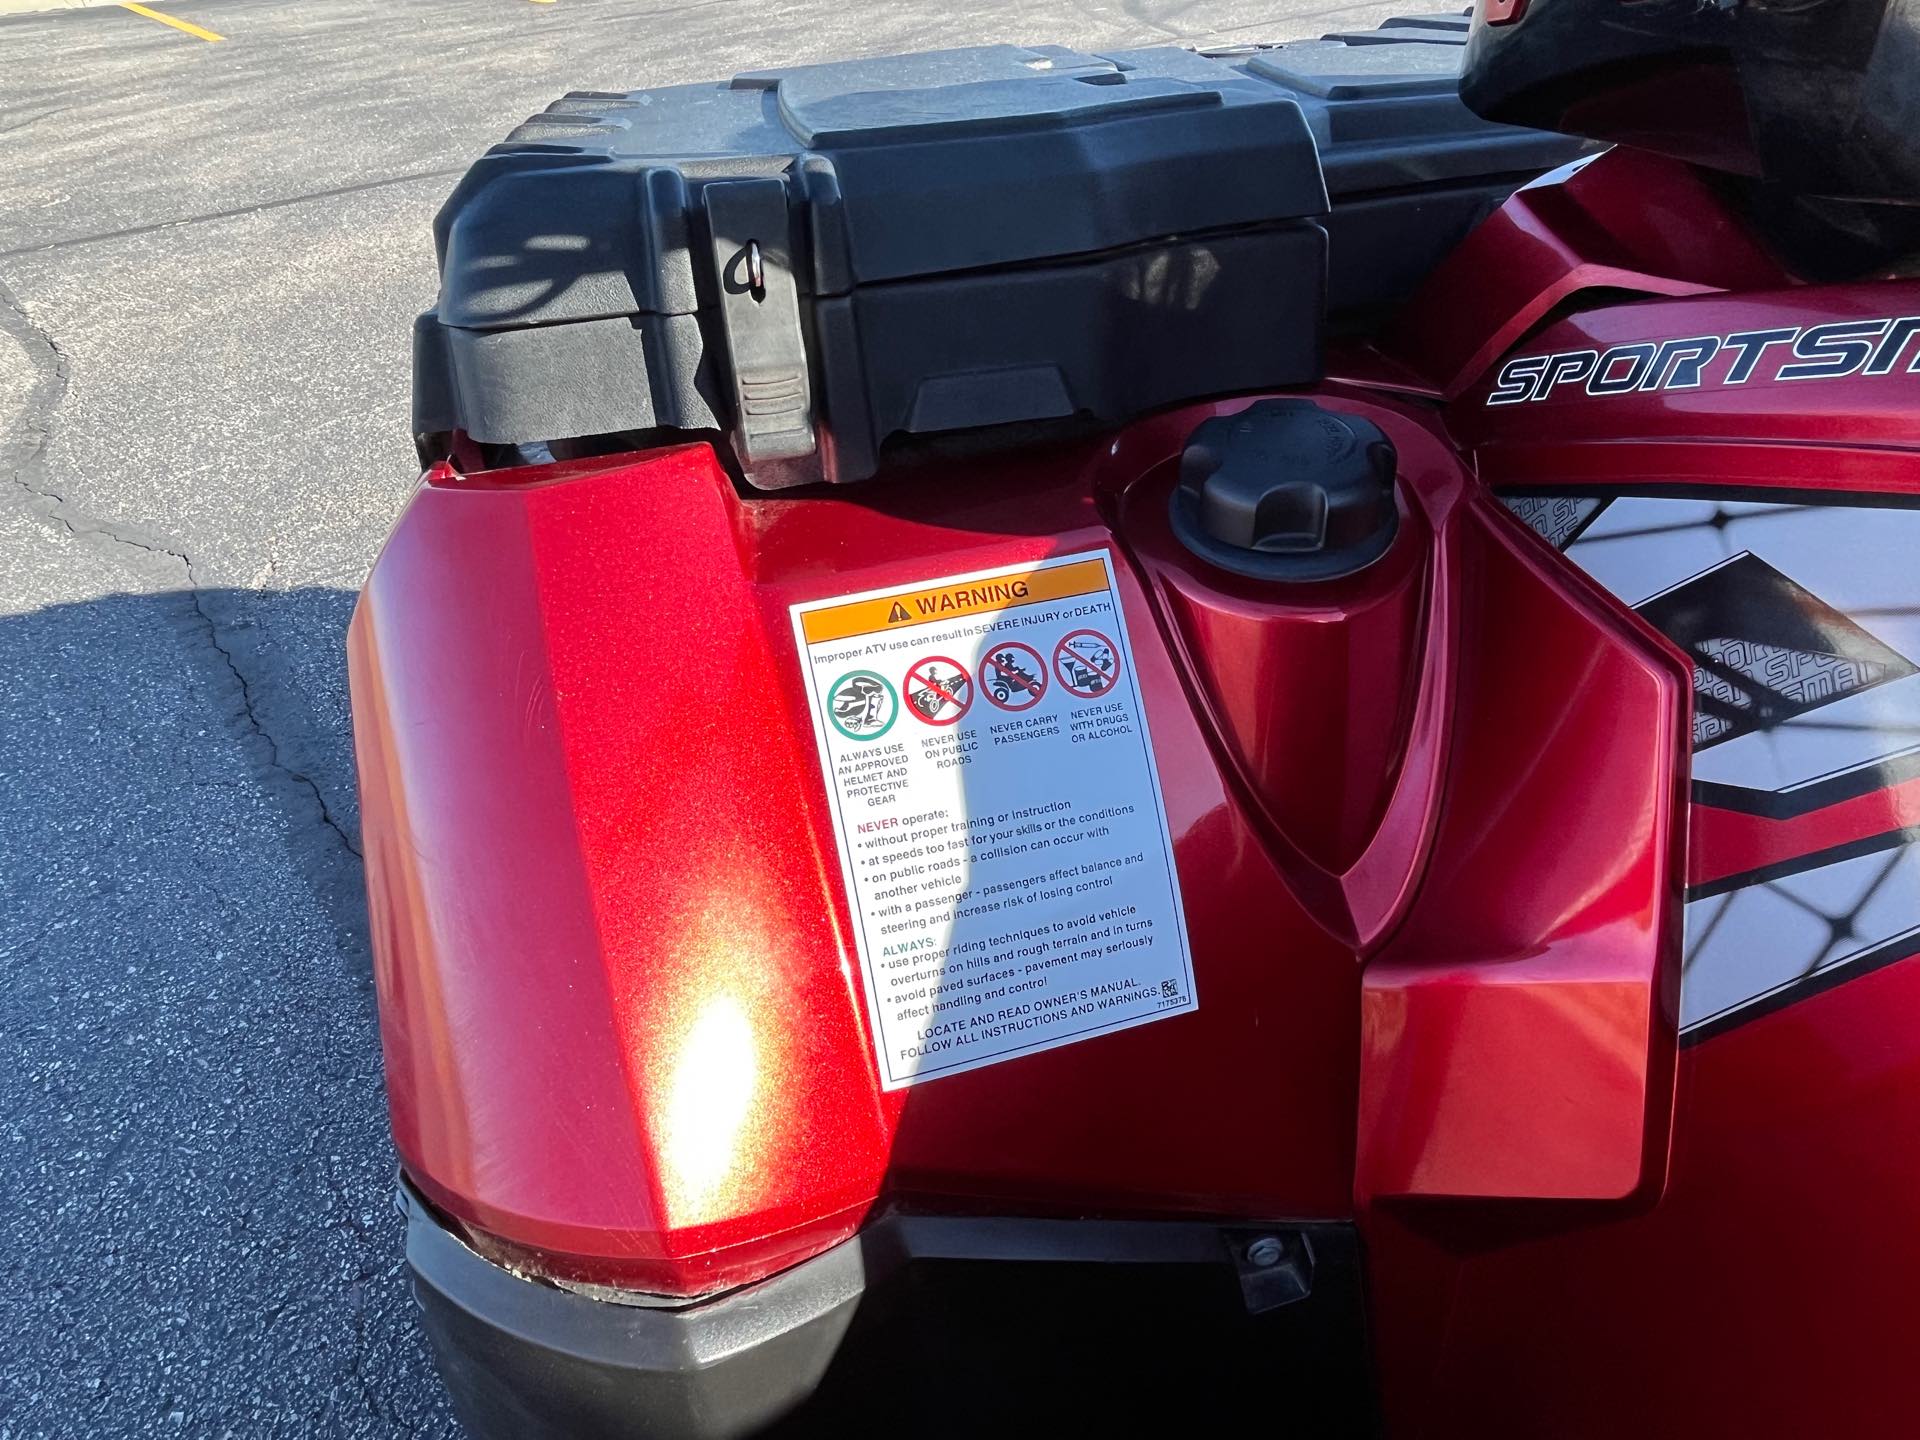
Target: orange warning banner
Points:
(906, 608)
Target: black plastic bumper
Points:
(925, 1325)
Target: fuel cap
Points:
(1287, 490)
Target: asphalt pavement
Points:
(210, 254)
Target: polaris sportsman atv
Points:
(1065, 737)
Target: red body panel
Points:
(1431, 823)
(595, 825)
(1673, 1315)
(1858, 410)
(1629, 221)
(1766, 1295)
(1517, 1033)
(603, 882)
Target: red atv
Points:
(1069, 737)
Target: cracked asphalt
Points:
(209, 258)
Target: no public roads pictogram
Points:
(862, 705)
(939, 690)
(1087, 663)
(1014, 676)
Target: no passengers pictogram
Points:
(1014, 676)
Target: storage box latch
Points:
(760, 313)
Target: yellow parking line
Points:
(185, 25)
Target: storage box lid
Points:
(733, 256)
(911, 166)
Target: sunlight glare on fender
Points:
(711, 1084)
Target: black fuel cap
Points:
(1287, 490)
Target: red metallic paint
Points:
(602, 882)
(1517, 1032)
(592, 817)
(1429, 821)
(1550, 1013)
(1760, 1293)
(1727, 843)
(1626, 220)
(1695, 468)
(1859, 411)
(1350, 829)
(551, 791)
(1765, 1296)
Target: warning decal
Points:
(1008, 864)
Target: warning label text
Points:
(1008, 862)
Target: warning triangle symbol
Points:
(897, 614)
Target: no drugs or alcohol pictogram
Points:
(1013, 675)
(939, 690)
(1087, 663)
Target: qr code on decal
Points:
(1170, 989)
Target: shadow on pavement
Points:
(197, 1173)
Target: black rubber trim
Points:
(1056, 1322)
(522, 1359)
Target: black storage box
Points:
(821, 260)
